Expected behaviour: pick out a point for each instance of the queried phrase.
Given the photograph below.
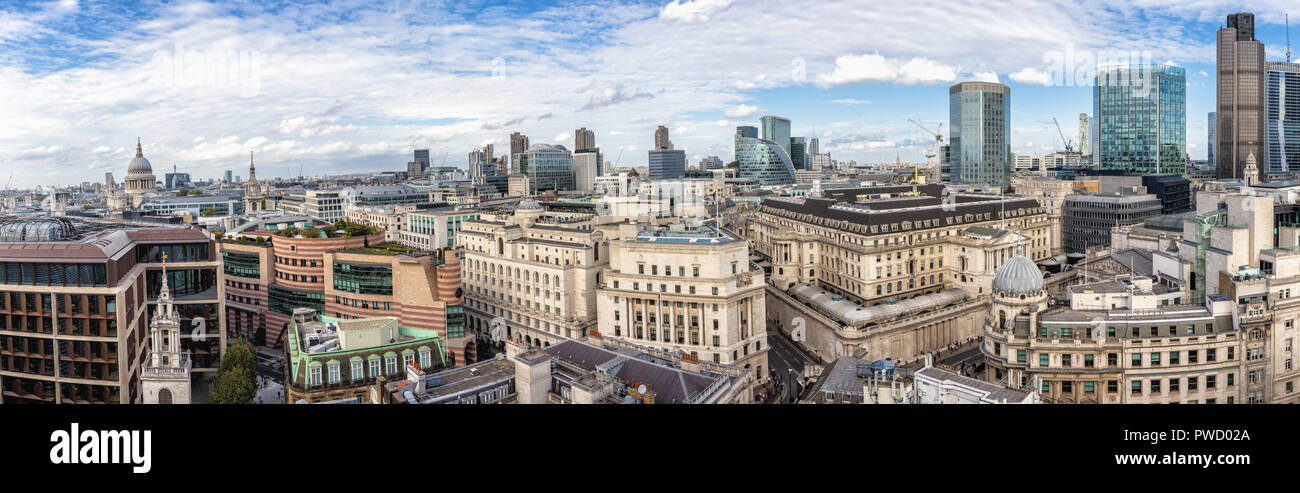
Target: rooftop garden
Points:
(341, 229)
(383, 249)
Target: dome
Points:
(1019, 276)
(139, 165)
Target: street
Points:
(787, 365)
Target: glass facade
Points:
(548, 167)
(241, 264)
(182, 282)
(980, 134)
(283, 300)
(667, 164)
(777, 129)
(1282, 118)
(763, 160)
(55, 274)
(1141, 113)
(363, 278)
(184, 252)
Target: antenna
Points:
(1287, 19)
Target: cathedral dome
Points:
(1019, 276)
(139, 165)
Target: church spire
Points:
(138, 153)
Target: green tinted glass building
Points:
(1141, 115)
(979, 122)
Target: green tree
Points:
(209, 212)
(235, 386)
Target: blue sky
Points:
(355, 85)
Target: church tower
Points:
(166, 375)
(253, 194)
(1251, 174)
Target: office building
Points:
(76, 299)
(429, 230)
(1241, 88)
(535, 272)
(1128, 100)
(711, 162)
(330, 359)
(1212, 138)
(661, 138)
(776, 129)
(422, 156)
(799, 153)
(346, 273)
(586, 167)
(1087, 219)
(1282, 118)
(896, 270)
(547, 167)
(518, 145)
(326, 205)
(1085, 135)
(979, 122)
(667, 164)
(814, 146)
(690, 290)
(761, 159)
(583, 139)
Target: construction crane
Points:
(938, 140)
(1069, 146)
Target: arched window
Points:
(314, 375)
(334, 372)
(425, 356)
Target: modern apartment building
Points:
(687, 290)
(75, 303)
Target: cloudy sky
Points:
(355, 85)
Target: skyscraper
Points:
(482, 165)
(979, 126)
(586, 167)
(1282, 118)
(777, 129)
(518, 145)
(1212, 140)
(814, 147)
(711, 162)
(1241, 90)
(661, 138)
(762, 159)
(1128, 101)
(583, 139)
(422, 156)
(1085, 135)
(798, 153)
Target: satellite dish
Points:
(640, 389)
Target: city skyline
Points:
(92, 79)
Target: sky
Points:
(355, 85)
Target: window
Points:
(358, 372)
(1088, 387)
(374, 367)
(390, 364)
(1087, 361)
(1020, 355)
(334, 372)
(315, 375)
(1137, 359)
(1209, 381)
(1137, 387)
(1191, 357)
(1155, 386)
(1211, 353)
(1191, 382)
(1173, 357)
(1173, 384)
(1112, 386)
(1155, 359)
(1043, 359)
(425, 357)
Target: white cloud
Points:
(1031, 75)
(854, 69)
(692, 10)
(851, 101)
(742, 111)
(985, 76)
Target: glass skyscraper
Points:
(1141, 113)
(762, 159)
(777, 129)
(1282, 118)
(798, 153)
(979, 126)
(548, 167)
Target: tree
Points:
(209, 212)
(240, 354)
(235, 386)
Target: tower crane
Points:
(1069, 146)
(938, 140)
